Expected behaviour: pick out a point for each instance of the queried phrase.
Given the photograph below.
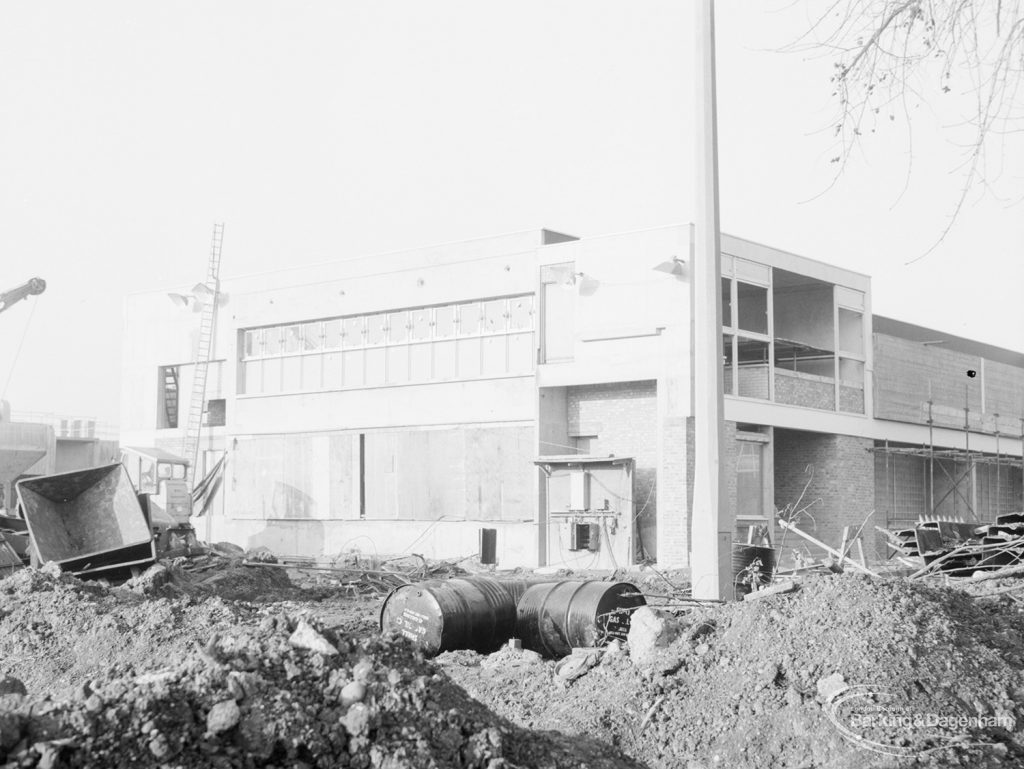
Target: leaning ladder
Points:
(207, 325)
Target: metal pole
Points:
(711, 521)
(931, 460)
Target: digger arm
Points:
(33, 286)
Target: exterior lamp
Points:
(674, 266)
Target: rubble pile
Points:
(752, 684)
(286, 692)
(57, 632)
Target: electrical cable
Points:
(17, 353)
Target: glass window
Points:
(273, 341)
(749, 479)
(332, 371)
(312, 336)
(468, 358)
(353, 331)
(272, 376)
(377, 329)
(851, 372)
(252, 379)
(727, 367)
(252, 342)
(444, 360)
(752, 303)
(521, 353)
(292, 375)
(376, 367)
(469, 319)
(332, 334)
(353, 368)
(292, 337)
(727, 302)
(398, 327)
(851, 332)
(520, 312)
(444, 322)
(147, 477)
(752, 369)
(398, 364)
(311, 367)
(420, 363)
(495, 315)
(493, 361)
(419, 324)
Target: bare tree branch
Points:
(887, 50)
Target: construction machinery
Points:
(32, 287)
(162, 482)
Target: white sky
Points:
(326, 129)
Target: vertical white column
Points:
(711, 524)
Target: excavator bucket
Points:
(88, 521)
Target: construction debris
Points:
(786, 586)
(960, 548)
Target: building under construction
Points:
(537, 387)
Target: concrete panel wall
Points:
(908, 374)
(473, 402)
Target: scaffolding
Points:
(955, 483)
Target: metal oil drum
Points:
(476, 613)
(553, 618)
(751, 563)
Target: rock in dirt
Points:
(829, 686)
(650, 629)
(223, 716)
(11, 685)
(151, 580)
(306, 637)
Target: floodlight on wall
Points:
(180, 300)
(584, 284)
(201, 296)
(674, 266)
(587, 286)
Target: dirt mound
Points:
(57, 632)
(262, 697)
(847, 672)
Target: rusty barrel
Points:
(553, 618)
(751, 564)
(476, 613)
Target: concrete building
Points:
(540, 385)
(33, 443)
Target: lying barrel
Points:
(476, 613)
(553, 618)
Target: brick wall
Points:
(843, 480)
(621, 419)
(675, 493)
(797, 390)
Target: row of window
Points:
(468, 340)
(466, 319)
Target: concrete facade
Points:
(403, 402)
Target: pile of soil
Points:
(755, 684)
(285, 693)
(57, 632)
